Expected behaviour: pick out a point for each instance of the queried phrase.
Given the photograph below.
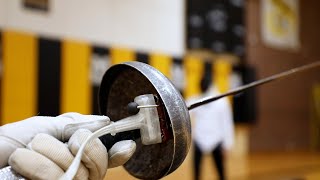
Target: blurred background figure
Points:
(213, 129)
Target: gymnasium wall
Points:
(141, 24)
(46, 76)
(284, 119)
(53, 61)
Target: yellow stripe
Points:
(194, 72)
(19, 83)
(222, 71)
(119, 55)
(162, 63)
(75, 82)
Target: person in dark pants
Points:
(217, 155)
(213, 131)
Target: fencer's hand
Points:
(48, 158)
(19, 134)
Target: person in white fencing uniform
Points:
(213, 130)
(44, 147)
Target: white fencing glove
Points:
(46, 157)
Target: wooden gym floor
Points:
(257, 166)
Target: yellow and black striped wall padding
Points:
(47, 77)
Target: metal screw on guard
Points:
(9, 174)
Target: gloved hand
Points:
(46, 157)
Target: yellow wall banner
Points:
(162, 63)
(120, 55)
(19, 82)
(194, 72)
(75, 80)
(280, 23)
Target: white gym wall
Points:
(142, 25)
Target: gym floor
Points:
(257, 166)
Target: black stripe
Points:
(98, 51)
(49, 58)
(206, 77)
(247, 113)
(208, 70)
(177, 60)
(142, 57)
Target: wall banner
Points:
(280, 23)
